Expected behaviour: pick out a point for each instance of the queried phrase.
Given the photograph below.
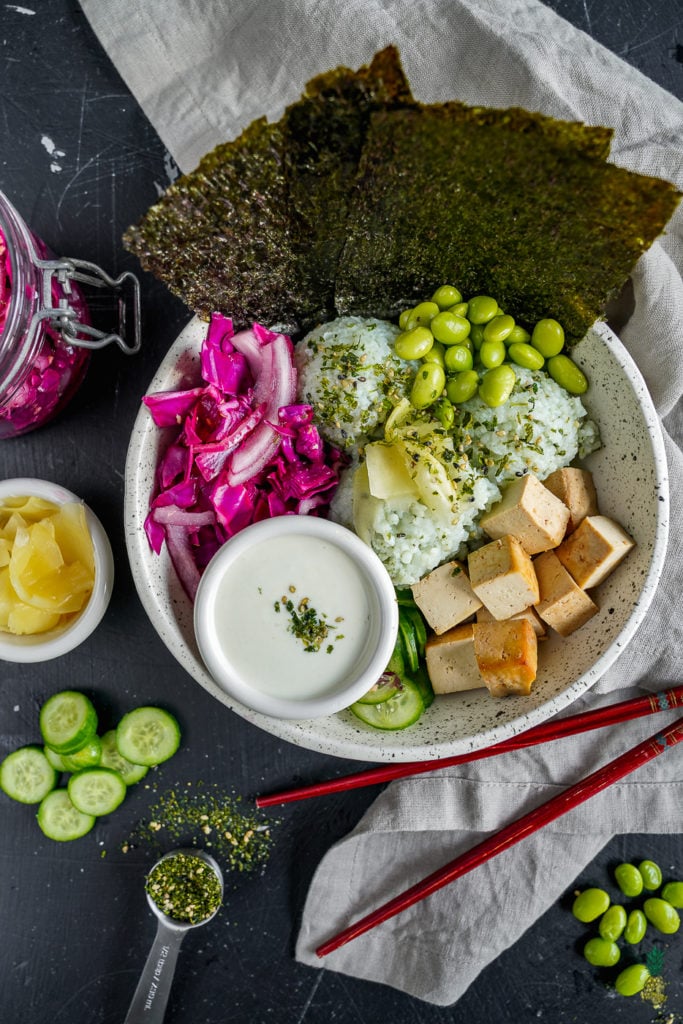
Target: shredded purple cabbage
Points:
(243, 451)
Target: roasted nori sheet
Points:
(506, 203)
(256, 230)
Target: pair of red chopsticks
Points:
(517, 830)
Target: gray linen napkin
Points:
(202, 70)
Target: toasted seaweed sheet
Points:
(502, 202)
(361, 200)
(256, 230)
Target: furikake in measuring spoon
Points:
(185, 888)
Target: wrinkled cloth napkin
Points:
(202, 70)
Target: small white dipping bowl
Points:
(247, 637)
(53, 643)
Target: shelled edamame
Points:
(630, 924)
(472, 347)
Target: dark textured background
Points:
(74, 926)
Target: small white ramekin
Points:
(45, 646)
(381, 633)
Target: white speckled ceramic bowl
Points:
(631, 476)
(55, 642)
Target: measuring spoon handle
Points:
(151, 995)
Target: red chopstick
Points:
(513, 833)
(637, 707)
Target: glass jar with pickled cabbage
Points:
(46, 332)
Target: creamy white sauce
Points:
(256, 639)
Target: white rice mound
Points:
(348, 371)
(539, 429)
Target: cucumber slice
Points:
(96, 791)
(67, 721)
(26, 775)
(87, 757)
(56, 760)
(397, 662)
(60, 820)
(129, 772)
(386, 686)
(396, 713)
(406, 631)
(419, 628)
(424, 685)
(147, 736)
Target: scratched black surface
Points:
(74, 927)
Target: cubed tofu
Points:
(594, 550)
(531, 513)
(575, 488)
(507, 655)
(451, 664)
(445, 596)
(503, 578)
(562, 603)
(484, 615)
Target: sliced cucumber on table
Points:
(60, 820)
(111, 758)
(67, 721)
(96, 791)
(88, 756)
(26, 775)
(148, 736)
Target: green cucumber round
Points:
(96, 791)
(67, 721)
(60, 820)
(397, 712)
(27, 776)
(111, 758)
(147, 736)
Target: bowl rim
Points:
(180, 365)
(49, 645)
(370, 568)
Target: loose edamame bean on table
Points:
(651, 873)
(636, 926)
(673, 894)
(602, 952)
(629, 879)
(632, 980)
(590, 904)
(662, 915)
(612, 923)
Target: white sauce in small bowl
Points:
(296, 617)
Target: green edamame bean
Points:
(601, 952)
(492, 354)
(629, 879)
(429, 382)
(636, 926)
(414, 344)
(481, 309)
(548, 337)
(495, 389)
(525, 355)
(449, 328)
(462, 387)
(662, 915)
(590, 904)
(446, 296)
(499, 328)
(518, 335)
(632, 980)
(612, 923)
(652, 874)
(673, 894)
(567, 374)
(460, 309)
(477, 336)
(457, 358)
(435, 354)
(407, 320)
(425, 312)
(445, 413)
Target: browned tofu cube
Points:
(503, 577)
(507, 655)
(575, 488)
(484, 615)
(531, 513)
(451, 664)
(594, 550)
(562, 604)
(445, 596)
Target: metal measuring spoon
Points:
(154, 987)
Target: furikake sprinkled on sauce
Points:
(185, 888)
(308, 625)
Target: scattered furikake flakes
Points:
(185, 888)
(206, 817)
